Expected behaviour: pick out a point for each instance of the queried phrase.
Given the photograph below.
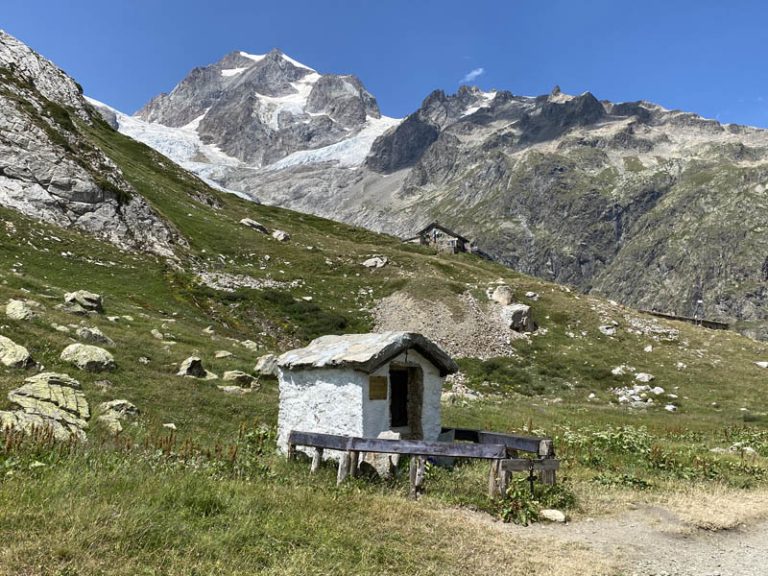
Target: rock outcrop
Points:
(50, 171)
(52, 401)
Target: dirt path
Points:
(651, 541)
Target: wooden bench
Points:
(501, 449)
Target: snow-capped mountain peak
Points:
(258, 111)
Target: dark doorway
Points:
(398, 400)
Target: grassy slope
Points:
(164, 507)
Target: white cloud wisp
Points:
(472, 75)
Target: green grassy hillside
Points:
(213, 498)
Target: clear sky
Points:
(704, 56)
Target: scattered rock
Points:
(114, 411)
(93, 334)
(532, 296)
(681, 366)
(608, 330)
(144, 360)
(232, 282)
(761, 364)
(266, 365)
(192, 367)
(208, 330)
(637, 396)
(242, 378)
(552, 515)
(235, 390)
(648, 349)
(14, 355)
(622, 369)
(652, 329)
(222, 354)
(156, 334)
(503, 295)
(89, 358)
(644, 377)
(18, 310)
(281, 235)
(670, 408)
(82, 302)
(518, 317)
(255, 225)
(250, 345)
(169, 425)
(60, 328)
(122, 408)
(459, 389)
(384, 465)
(103, 385)
(375, 262)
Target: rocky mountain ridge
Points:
(50, 172)
(657, 208)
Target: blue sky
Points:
(706, 56)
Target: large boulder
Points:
(18, 310)
(82, 302)
(13, 355)
(503, 295)
(192, 367)
(49, 400)
(518, 317)
(93, 334)
(89, 358)
(266, 365)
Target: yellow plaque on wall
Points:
(377, 388)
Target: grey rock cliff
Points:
(50, 172)
(260, 109)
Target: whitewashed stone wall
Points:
(329, 401)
